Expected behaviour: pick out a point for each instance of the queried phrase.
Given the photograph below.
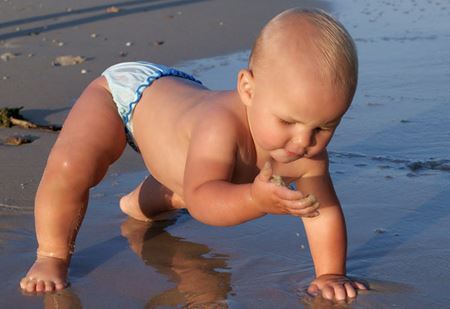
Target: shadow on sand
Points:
(126, 8)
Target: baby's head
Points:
(308, 36)
(303, 69)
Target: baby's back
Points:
(162, 123)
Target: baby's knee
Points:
(177, 201)
(73, 167)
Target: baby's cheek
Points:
(270, 138)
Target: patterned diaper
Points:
(128, 80)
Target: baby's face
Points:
(294, 113)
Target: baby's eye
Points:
(323, 129)
(286, 122)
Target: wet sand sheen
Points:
(388, 165)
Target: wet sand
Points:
(389, 162)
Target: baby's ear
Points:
(246, 86)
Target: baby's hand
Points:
(46, 275)
(272, 196)
(335, 287)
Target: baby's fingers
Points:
(359, 285)
(350, 290)
(309, 212)
(288, 195)
(309, 199)
(340, 292)
(302, 207)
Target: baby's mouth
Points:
(291, 154)
(294, 154)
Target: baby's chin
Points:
(285, 158)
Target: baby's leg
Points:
(149, 199)
(91, 139)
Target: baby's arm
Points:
(208, 192)
(327, 236)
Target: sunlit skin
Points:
(212, 152)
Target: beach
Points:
(389, 159)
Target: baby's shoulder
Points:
(219, 117)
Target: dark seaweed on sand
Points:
(6, 114)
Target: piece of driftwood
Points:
(11, 117)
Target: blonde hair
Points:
(337, 52)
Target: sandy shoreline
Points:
(389, 159)
(160, 31)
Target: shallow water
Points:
(390, 164)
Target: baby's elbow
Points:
(198, 214)
(209, 218)
(204, 210)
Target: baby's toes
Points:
(59, 285)
(30, 285)
(40, 286)
(49, 286)
(23, 283)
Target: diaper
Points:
(128, 80)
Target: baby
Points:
(212, 152)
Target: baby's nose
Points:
(302, 139)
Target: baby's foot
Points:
(47, 274)
(129, 204)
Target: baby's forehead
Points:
(309, 40)
(289, 69)
(289, 45)
(294, 84)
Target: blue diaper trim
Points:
(161, 72)
(127, 82)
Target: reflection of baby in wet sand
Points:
(212, 152)
(201, 281)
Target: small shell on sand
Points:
(7, 56)
(17, 140)
(68, 60)
(112, 9)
